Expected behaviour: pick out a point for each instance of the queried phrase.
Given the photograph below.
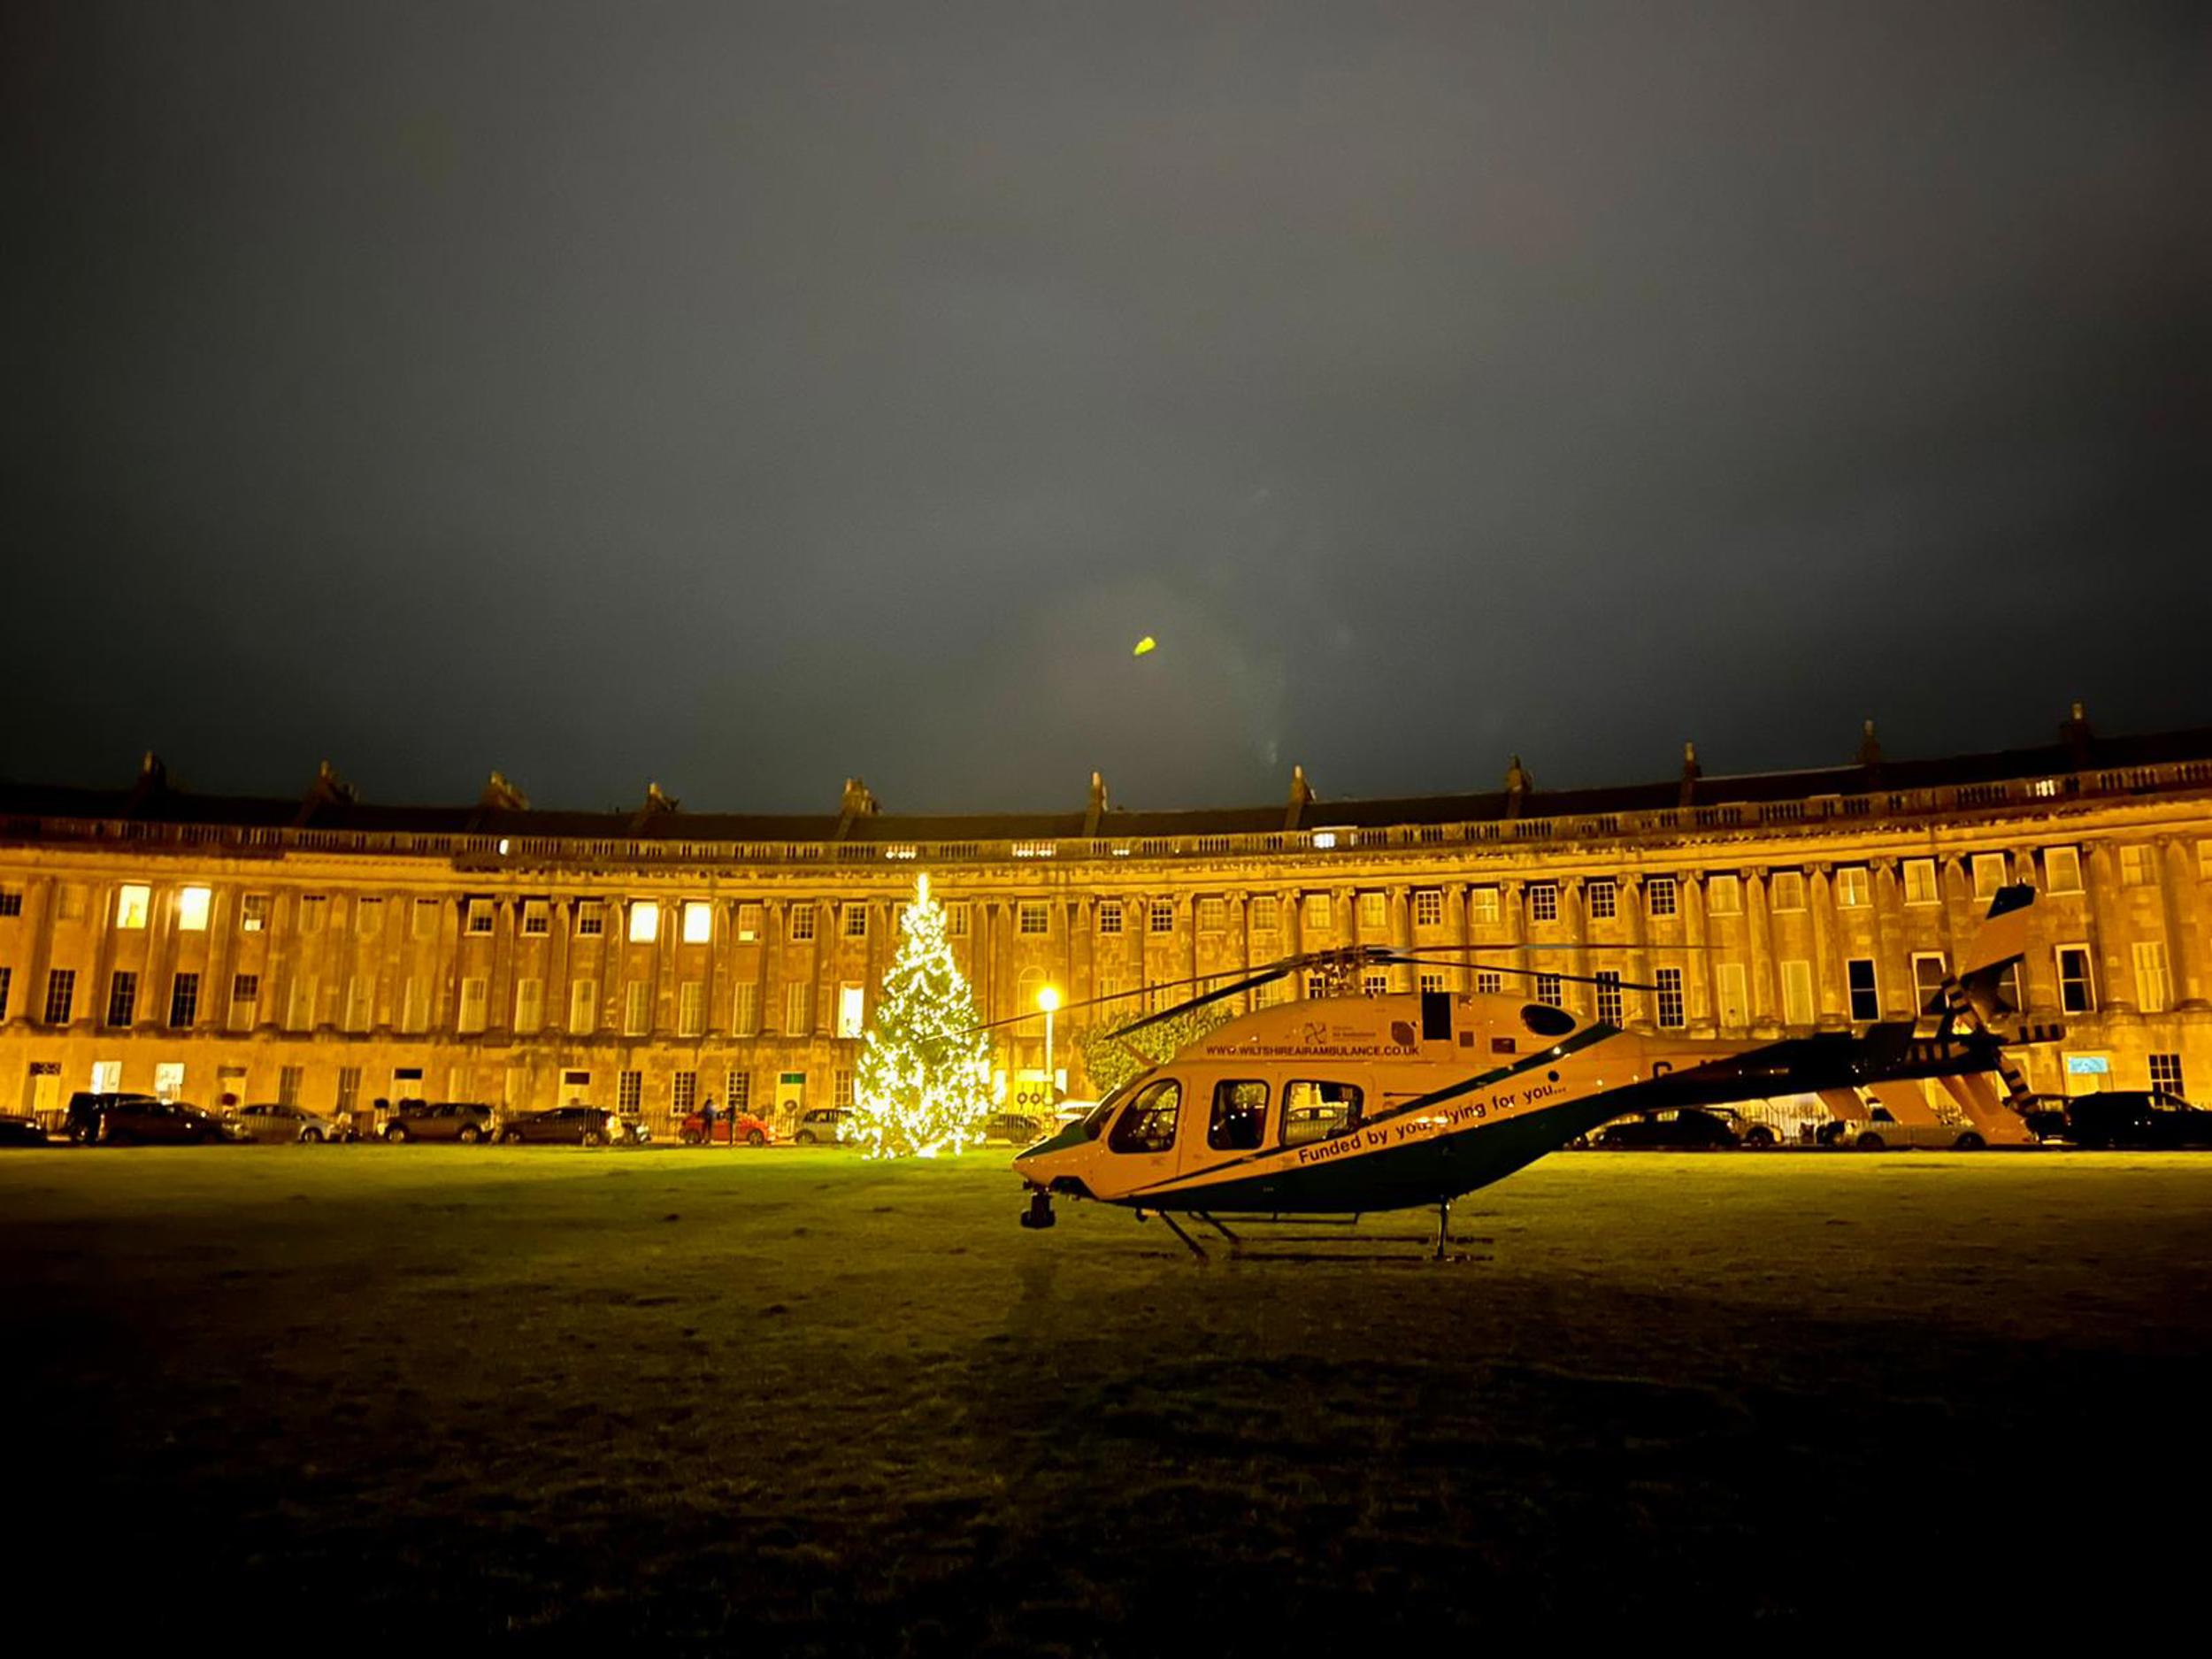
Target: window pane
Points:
(192, 905)
(645, 921)
(1238, 1121)
(1148, 1123)
(1319, 1111)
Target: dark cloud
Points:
(749, 396)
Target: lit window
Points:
(1266, 915)
(131, 905)
(1033, 850)
(698, 922)
(1609, 995)
(2139, 866)
(2062, 868)
(1789, 893)
(1428, 907)
(855, 921)
(797, 1009)
(1213, 915)
(1661, 895)
(1543, 901)
(253, 913)
(645, 921)
(1724, 894)
(1323, 841)
(1482, 904)
(1603, 897)
(1317, 911)
(1851, 888)
(1033, 917)
(1735, 1004)
(1989, 874)
(851, 1009)
(1920, 881)
(803, 921)
(192, 905)
(748, 923)
(637, 1009)
(2153, 993)
(1373, 913)
(1797, 993)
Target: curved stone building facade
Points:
(333, 951)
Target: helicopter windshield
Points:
(1094, 1120)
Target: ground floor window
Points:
(1489, 982)
(630, 1095)
(1551, 990)
(683, 1093)
(575, 1087)
(841, 1089)
(738, 1093)
(169, 1078)
(2166, 1073)
(288, 1084)
(349, 1087)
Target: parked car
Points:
(1689, 1128)
(2137, 1117)
(120, 1119)
(469, 1121)
(2044, 1115)
(572, 1126)
(273, 1122)
(18, 1131)
(823, 1125)
(730, 1129)
(1882, 1131)
(1017, 1129)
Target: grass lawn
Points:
(789, 1402)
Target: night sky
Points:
(745, 396)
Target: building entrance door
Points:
(43, 1093)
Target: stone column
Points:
(2180, 902)
(1575, 923)
(1699, 994)
(1763, 993)
(1830, 1005)
(2100, 877)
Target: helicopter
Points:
(1351, 1104)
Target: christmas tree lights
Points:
(924, 1084)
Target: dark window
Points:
(1148, 1122)
(1239, 1117)
(2074, 992)
(10, 902)
(61, 994)
(122, 997)
(1319, 1111)
(184, 1000)
(1609, 995)
(1866, 1004)
(1545, 1020)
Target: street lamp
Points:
(1049, 1000)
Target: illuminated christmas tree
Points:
(924, 1083)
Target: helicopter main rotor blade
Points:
(1532, 973)
(1506, 951)
(1287, 965)
(1186, 1006)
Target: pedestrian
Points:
(706, 1116)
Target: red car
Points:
(729, 1128)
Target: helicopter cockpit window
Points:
(1094, 1121)
(1547, 1021)
(1319, 1111)
(1148, 1122)
(1239, 1117)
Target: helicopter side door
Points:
(1143, 1140)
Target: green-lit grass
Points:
(790, 1401)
